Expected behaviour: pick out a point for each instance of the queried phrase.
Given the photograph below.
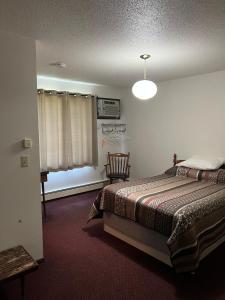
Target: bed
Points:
(177, 217)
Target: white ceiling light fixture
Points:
(144, 89)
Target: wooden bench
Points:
(16, 263)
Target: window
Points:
(67, 130)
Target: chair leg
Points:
(111, 180)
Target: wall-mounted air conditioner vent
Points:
(108, 108)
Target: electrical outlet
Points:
(24, 161)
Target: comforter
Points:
(189, 212)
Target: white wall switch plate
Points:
(24, 161)
(27, 143)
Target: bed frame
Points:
(142, 238)
(145, 239)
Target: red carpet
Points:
(83, 262)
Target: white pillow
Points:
(202, 163)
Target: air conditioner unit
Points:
(108, 108)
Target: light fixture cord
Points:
(145, 73)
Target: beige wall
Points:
(187, 116)
(20, 187)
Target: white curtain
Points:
(67, 131)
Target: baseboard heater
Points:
(75, 190)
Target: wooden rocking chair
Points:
(118, 166)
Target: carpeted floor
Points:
(83, 262)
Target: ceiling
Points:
(100, 41)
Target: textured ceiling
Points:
(100, 41)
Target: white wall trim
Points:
(75, 190)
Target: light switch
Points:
(24, 161)
(27, 143)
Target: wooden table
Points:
(16, 263)
(44, 178)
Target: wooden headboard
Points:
(176, 161)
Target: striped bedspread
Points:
(190, 213)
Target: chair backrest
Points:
(118, 163)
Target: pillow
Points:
(217, 176)
(188, 172)
(210, 175)
(202, 163)
(221, 176)
(172, 171)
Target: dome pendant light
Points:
(144, 89)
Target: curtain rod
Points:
(40, 91)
